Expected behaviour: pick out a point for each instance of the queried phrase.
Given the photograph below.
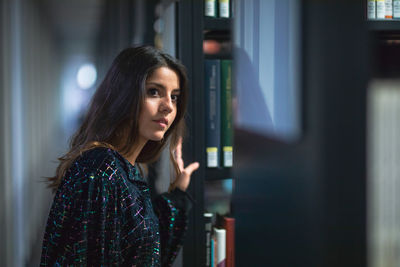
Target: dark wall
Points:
(304, 203)
(124, 23)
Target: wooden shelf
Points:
(225, 55)
(213, 174)
(384, 25)
(217, 24)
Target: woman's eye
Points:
(152, 92)
(175, 98)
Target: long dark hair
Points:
(113, 115)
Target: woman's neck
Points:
(136, 151)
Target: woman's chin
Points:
(157, 138)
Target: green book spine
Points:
(226, 113)
(212, 83)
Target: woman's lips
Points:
(162, 123)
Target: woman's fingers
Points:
(191, 168)
(183, 180)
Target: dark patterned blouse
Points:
(103, 215)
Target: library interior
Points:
(266, 149)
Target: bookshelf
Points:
(383, 25)
(306, 199)
(192, 29)
(218, 174)
(217, 24)
(380, 25)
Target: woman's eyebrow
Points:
(163, 87)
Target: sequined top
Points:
(103, 215)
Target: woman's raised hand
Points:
(182, 181)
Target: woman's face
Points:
(160, 105)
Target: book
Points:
(380, 9)
(212, 82)
(224, 9)
(220, 237)
(371, 9)
(210, 8)
(215, 250)
(229, 225)
(388, 9)
(214, 47)
(208, 230)
(396, 9)
(226, 113)
(212, 252)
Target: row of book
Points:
(217, 8)
(220, 241)
(383, 9)
(219, 119)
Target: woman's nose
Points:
(167, 105)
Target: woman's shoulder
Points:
(97, 157)
(99, 162)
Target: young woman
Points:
(102, 213)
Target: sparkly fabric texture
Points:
(103, 215)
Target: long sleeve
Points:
(83, 225)
(172, 211)
(99, 218)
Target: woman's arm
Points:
(172, 209)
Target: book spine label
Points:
(380, 9)
(228, 156)
(212, 157)
(212, 88)
(388, 9)
(226, 113)
(224, 8)
(371, 9)
(396, 9)
(210, 8)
